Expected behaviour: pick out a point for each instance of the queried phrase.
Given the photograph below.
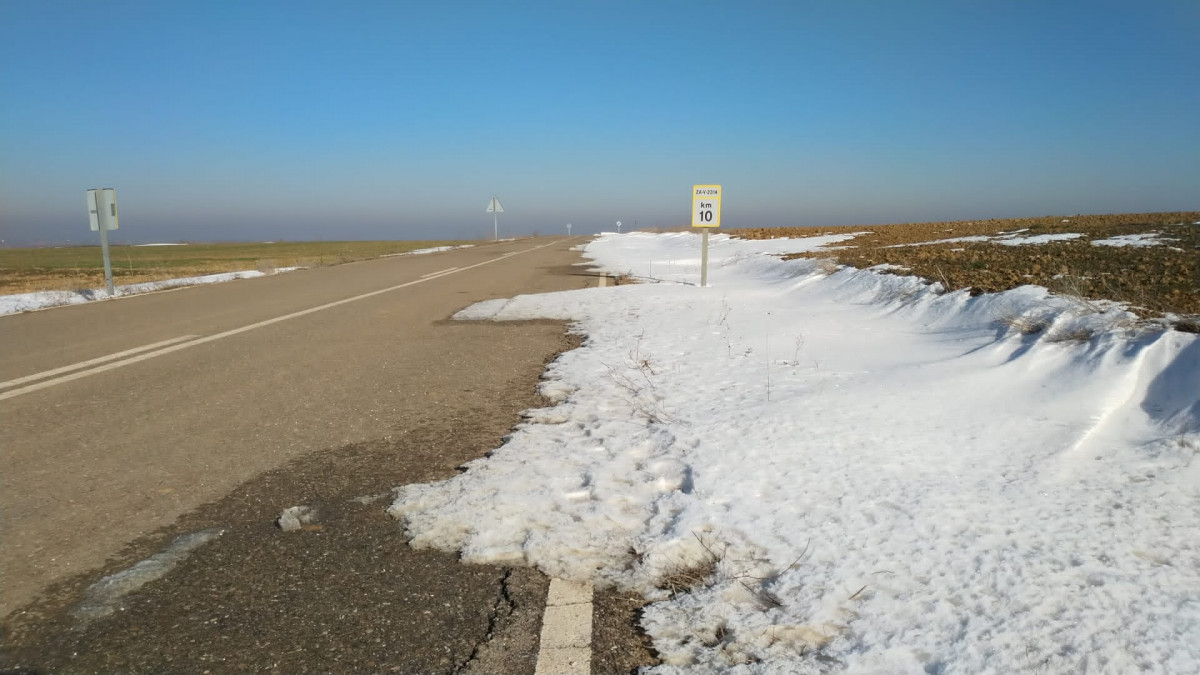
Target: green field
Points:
(23, 270)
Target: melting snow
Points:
(24, 302)
(893, 479)
(426, 251)
(1005, 238)
(1140, 240)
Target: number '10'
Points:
(706, 216)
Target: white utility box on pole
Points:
(706, 213)
(102, 216)
(494, 208)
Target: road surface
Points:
(128, 423)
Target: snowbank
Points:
(24, 302)
(426, 251)
(879, 475)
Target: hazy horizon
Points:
(368, 120)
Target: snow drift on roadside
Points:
(24, 302)
(879, 475)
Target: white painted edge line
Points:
(91, 362)
(437, 274)
(566, 642)
(211, 338)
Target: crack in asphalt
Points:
(502, 608)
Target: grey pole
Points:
(495, 224)
(104, 247)
(704, 258)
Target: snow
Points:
(1037, 239)
(294, 518)
(1139, 240)
(426, 251)
(25, 302)
(1006, 238)
(892, 478)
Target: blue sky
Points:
(398, 120)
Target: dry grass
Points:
(1072, 335)
(683, 579)
(1025, 325)
(1156, 279)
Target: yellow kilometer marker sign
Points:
(706, 213)
(706, 206)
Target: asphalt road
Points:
(323, 387)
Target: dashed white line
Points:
(566, 642)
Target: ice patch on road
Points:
(104, 597)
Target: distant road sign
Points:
(102, 208)
(706, 206)
(494, 206)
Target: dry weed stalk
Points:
(684, 578)
(1025, 325)
(648, 404)
(1071, 335)
(767, 599)
(942, 276)
(1072, 287)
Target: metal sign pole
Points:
(102, 216)
(706, 213)
(495, 209)
(107, 261)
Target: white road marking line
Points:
(566, 643)
(91, 362)
(434, 274)
(243, 329)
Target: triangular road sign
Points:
(494, 206)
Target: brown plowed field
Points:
(1154, 280)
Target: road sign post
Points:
(102, 216)
(706, 213)
(495, 209)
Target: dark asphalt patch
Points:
(347, 594)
